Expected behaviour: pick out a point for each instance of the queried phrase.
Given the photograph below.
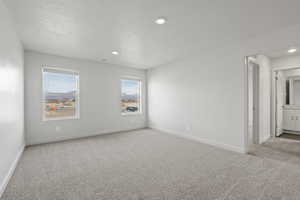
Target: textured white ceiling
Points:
(91, 29)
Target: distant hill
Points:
(127, 97)
(60, 96)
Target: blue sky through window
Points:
(59, 83)
(130, 87)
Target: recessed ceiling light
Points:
(115, 52)
(293, 50)
(161, 20)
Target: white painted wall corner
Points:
(11, 171)
(202, 140)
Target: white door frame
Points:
(256, 106)
(246, 128)
(273, 97)
(246, 105)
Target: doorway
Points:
(287, 101)
(258, 100)
(253, 100)
(273, 106)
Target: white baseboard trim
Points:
(11, 171)
(202, 140)
(67, 138)
(264, 139)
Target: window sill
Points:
(131, 114)
(61, 119)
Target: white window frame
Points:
(140, 97)
(77, 97)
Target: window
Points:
(130, 96)
(60, 94)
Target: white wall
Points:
(264, 97)
(99, 99)
(286, 61)
(11, 96)
(291, 72)
(200, 97)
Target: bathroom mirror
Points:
(292, 95)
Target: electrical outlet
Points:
(187, 128)
(57, 128)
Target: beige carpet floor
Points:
(147, 164)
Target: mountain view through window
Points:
(130, 98)
(60, 94)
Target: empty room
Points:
(149, 100)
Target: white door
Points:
(297, 120)
(289, 120)
(280, 95)
(253, 103)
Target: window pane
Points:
(130, 98)
(60, 95)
